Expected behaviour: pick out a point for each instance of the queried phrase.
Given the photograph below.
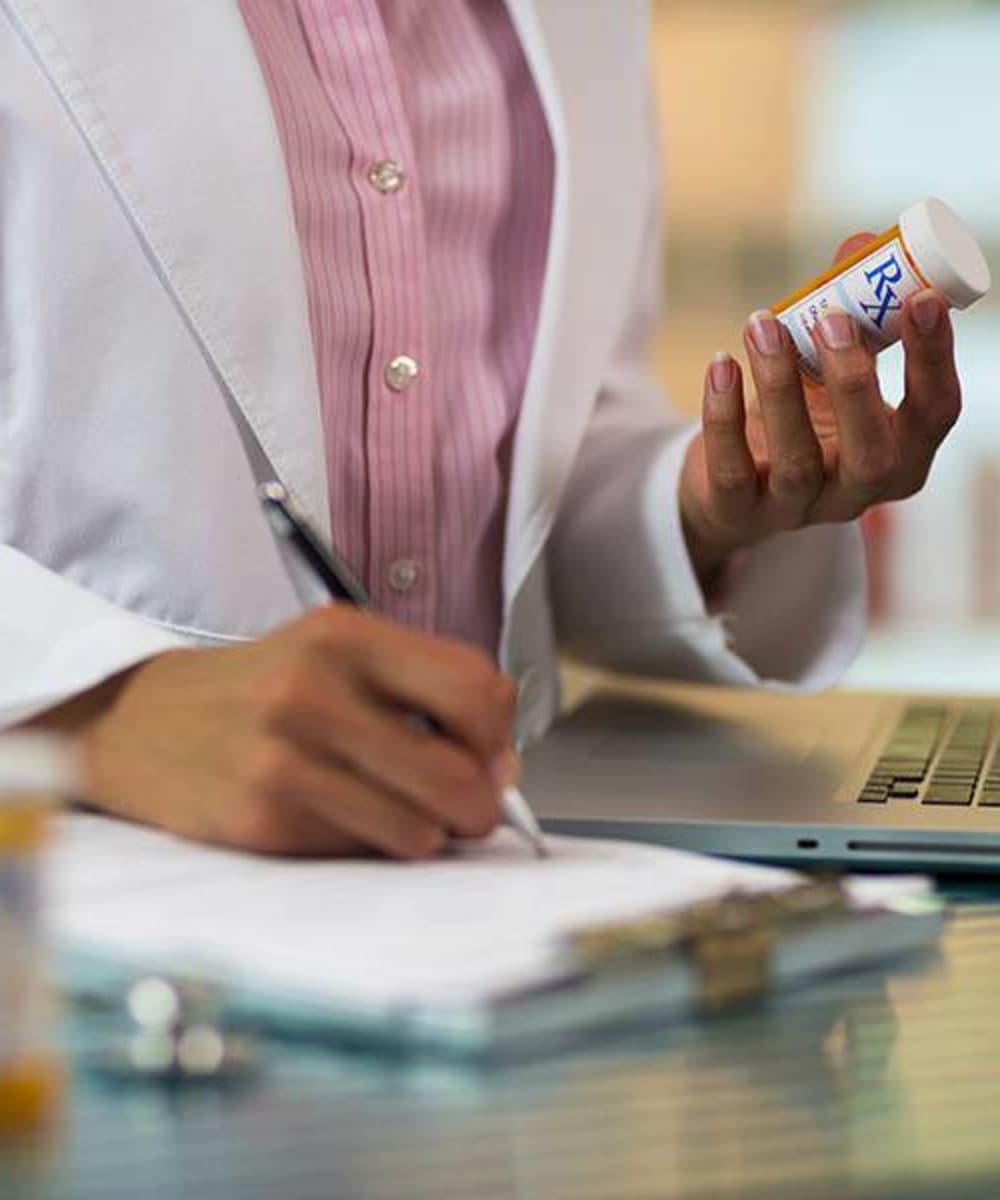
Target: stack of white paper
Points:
(375, 934)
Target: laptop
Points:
(861, 779)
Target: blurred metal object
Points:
(173, 1033)
(728, 941)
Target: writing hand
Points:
(301, 742)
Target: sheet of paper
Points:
(483, 919)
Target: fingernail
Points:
(722, 372)
(927, 310)
(505, 769)
(765, 331)
(837, 329)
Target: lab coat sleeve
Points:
(623, 589)
(58, 640)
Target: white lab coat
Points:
(156, 363)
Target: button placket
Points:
(399, 445)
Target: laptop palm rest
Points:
(765, 777)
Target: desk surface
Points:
(886, 1084)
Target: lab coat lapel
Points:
(170, 100)
(585, 288)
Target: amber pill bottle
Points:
(929, 247)
(35, 770)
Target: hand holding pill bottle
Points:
(34, 771)
(930, 247)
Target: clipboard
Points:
(704, 960)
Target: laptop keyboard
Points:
(939, 755)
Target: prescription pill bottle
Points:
(35, 770)
(930, 248)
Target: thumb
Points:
(852, 245)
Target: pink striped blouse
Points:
(420, 170)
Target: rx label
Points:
(884, 278)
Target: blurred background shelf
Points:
(926, 658)
(786, 125)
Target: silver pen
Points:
(290, 524)
(518, 815)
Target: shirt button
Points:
(403, 574)
(401, 371)
(386, 177)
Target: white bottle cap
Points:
(35, 764)
(946, 252)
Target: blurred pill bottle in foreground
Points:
(931, 247)
(35, 771)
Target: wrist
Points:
(708, 551)
(75, 716)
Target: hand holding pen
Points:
(293, 742)
(290, 524)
